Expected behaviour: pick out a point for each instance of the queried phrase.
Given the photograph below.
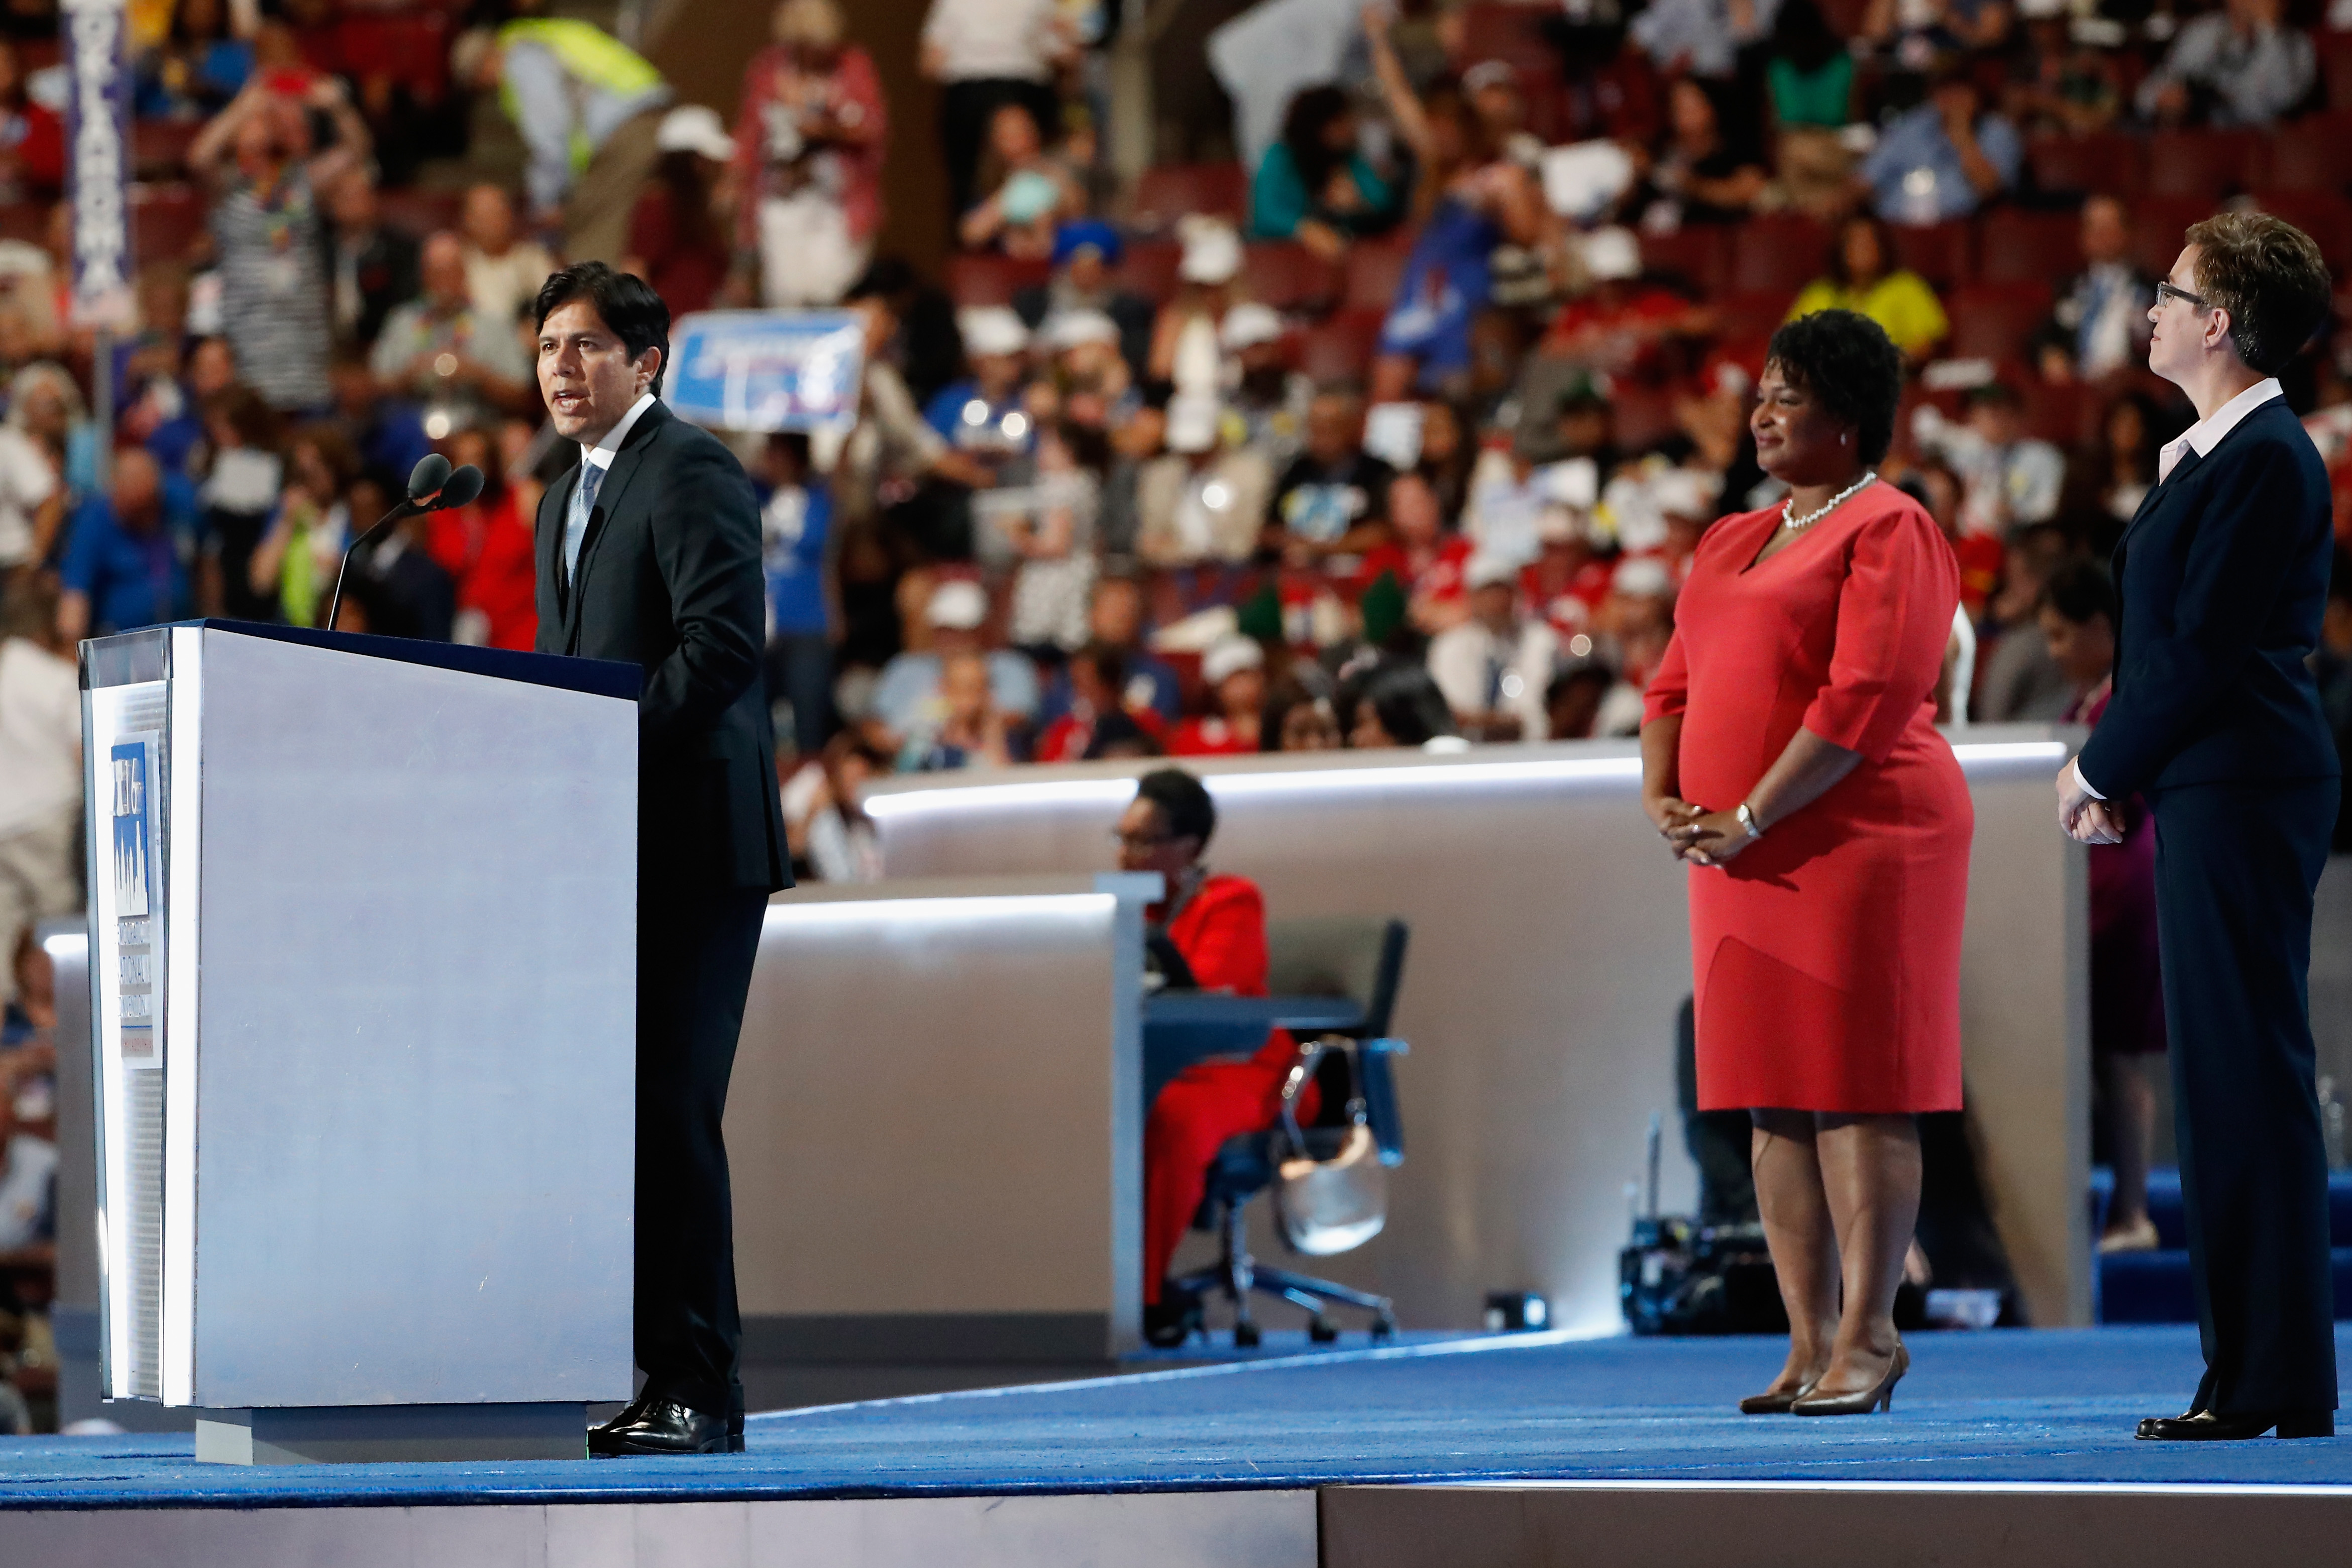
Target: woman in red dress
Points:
(1218, 924)
(1789, 755)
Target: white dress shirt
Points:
(604, 452)
(2203, 437)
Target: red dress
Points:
(1827, 956)
(1221, 930)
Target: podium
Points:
(362, 988)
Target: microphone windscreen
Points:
(462, 487)
(432, 471)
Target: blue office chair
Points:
(1360, 958)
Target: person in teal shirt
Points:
(1314, 186)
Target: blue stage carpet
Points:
(2012, 1406)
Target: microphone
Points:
(432, 486)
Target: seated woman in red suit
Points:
(1218, 924)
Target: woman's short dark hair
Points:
(1409, 704)
(1311, 114)
(1182, 799)
(628, 304)
(1887, 261)
(2080, 591)
(2269, 276)
(1848, 363)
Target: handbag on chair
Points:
(1333, 1205)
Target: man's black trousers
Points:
(695, 950)
(2236, 867)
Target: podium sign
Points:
(362, 937)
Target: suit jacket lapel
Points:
(552, 506)
(2157, 496)
(626, 463)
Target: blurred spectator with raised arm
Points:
(589, 109)
(268, 231)
(1032, 188)
(2242, 65)
(810, 136)
(2100, 323)
(1944, 159)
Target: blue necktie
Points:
(575, 525)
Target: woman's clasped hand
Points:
(1696, 834)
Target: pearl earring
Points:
(1841, 439)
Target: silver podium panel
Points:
(363, 990)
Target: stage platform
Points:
(2010, 1446)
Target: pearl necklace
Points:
(1798, 525)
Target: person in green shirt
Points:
(1862, 278)
(1313, 185)
(1809, 78)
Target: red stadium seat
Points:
(412, 47)
(1373, 271)
(1781, 253)
(1173, 191)
(2066, 414)
(166, 221)
(1752, 314)
(982, 277)
(2325, 215)
(1149, 268)
(1642, 416)
(1992, 321)
(1940, 253)
(1288, 277)
(2208, 164)
(2312, 154)
(159, 148)
(2015, 246)
(1844, 16)
(2336, 66)
(1341, 348)
(2158, 223)
(27, 221)
(2108, 160)
(1491, 32)
(417, 213)
(1697, 254)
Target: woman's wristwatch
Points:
(1747, 820)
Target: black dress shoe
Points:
(1171, 1320)
(660, 1426)
(2206, 1427)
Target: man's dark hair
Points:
(2082, 589)
(2269, 276)
(631, 308)
(1411, 707)
(1182, 799)
(1851, 366)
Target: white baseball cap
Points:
(1192, 424)
(1074, 329)
(1248, 324)
(957, 604)
(991, 330)
(1230, 656)
(1611, 254)
(1213, 251)
(1486, 570)
(1642, 577)
(691, 128)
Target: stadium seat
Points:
(412, 47)
(1781, 253)
(1992, 321)
(420, 212)
(1751, 314)
(2015, 246)
(1148, 267)
(2312, 154)
(2336, 66)
(25, 221)
(2107, 161)
(2207, 164)
(1373, 271)
(1505, 32)
(983, 277)
(159, 148)
(2066, 413)
(1288, 277)
(1697, 254)
(1940, 253)
(2158, 223)
(1642, 416)
(1340, 349)
(166, 221)
(1174, 191)
(2325, 215)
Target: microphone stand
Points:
(408, 507)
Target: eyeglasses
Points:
(2166, 290)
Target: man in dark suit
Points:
(2216, 719)
(650, 551)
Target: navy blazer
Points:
(2224, 579)
(670, 580)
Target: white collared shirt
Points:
(2203, 436)
(2206, 433)
(604, 452)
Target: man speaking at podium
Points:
(650, 551)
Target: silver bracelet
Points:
(1747, 820)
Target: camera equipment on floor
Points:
(1679, 1276)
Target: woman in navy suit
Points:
(2215, 719)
